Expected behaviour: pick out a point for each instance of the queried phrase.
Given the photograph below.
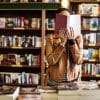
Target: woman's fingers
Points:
(70, 33)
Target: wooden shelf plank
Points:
(85, 1)
(28, 6)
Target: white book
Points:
(38, 41)
(2, 22)
(75, 22)
(10, 96)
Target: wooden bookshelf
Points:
(28, 11)
(85, 1)
(89, 63)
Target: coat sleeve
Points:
(53, 54)
(77, 50)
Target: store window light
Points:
(65, 3)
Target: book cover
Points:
(50, 24)
(86, 23)
(29, 93)
(98, 39)
(93, 54)
(63, 21)
(98, 70)
(9, 93)
(93, 23)
(2, 22)
(91, 39)
(85, 54)
(87, 8)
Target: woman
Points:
(64, 54)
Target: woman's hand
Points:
(70, 33)
(66, 34)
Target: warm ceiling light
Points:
(65, 3)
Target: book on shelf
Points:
(19, 78)
(99, 23)
(98, 70)
(37, 41)
(87, 8)
(36, 22)
(50, 24)
(20, 22)
(47, 89)
(21, 1)
(2, 22)
(86, 23)
(52, 1)
(89, 69)
(93, 54)
(9, 93)
(99, 53)
(98, 39)
(63, 21)
(29, 93)
(18, 60)
(29, 90)
(85, 54)
(90, 23)
(93, 23)
(89, 39)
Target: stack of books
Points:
(29, 93)
(9, 93)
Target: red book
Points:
(60, 22)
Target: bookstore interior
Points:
(27, 63)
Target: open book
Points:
(9, 93)
(63, 21)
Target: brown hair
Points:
(63, 9)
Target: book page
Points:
(75, 22)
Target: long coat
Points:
(61, 58)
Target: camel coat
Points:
(62, 58)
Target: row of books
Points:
(87, 8)
(17, 59)
(91, 39)
(26, 1)
(21, 1)
(35, 23)
(91, 69)
(19, 78)
(50, 23)
(20, 22)
(20, 41)
(91, 23)
(85, 0)
(91, 54)
(54, 1)
(87, 23)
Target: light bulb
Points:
(65, 3)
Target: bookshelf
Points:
(22, 35)
(90, 16)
